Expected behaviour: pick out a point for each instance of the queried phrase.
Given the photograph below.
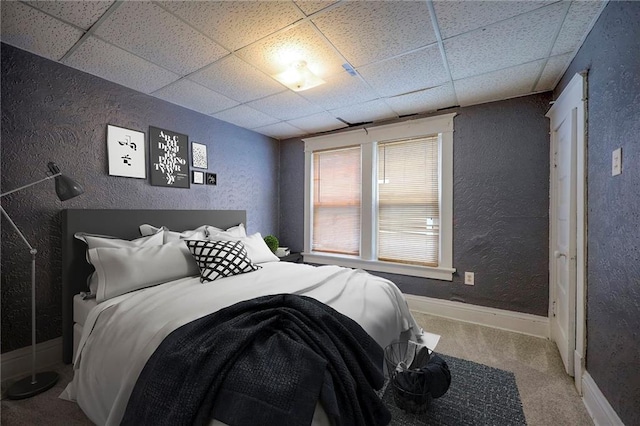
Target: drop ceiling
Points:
(219, 57)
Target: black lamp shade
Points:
(66, 188)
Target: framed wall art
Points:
(199, 155)
(212, 179)
(169, 158)
(126, 152)
(198, 177)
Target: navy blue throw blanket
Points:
(265, 361)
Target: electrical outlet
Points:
(469, 278)
(616, 162)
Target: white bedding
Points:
(81, 308)
(120, 334)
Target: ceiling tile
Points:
(114, 64)
(338, 91)
(457, 17)
(310, 7)
(322, 122)
(274, 54)
(154, 34)
(407, 73)
(424, 100)
(497, 85)
(280, 130)
(245, 116)
(82, 14)
(285, 106)
(381, 28)
(365, 112)
(235, 24)
(193, 96)
(518, 40)
(553, 71)
(578, 20)
(237, 80)
(29, 29)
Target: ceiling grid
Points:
(220, 58)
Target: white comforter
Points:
(120, 334)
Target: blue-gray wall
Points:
(611, 53)
(500, 202)
(51, 112)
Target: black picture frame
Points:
(168, 158)
(199, 158)
(212, 179)
(126, 152)
(197, 177)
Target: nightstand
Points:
(293, 258)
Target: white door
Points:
(566, 251)
(563, 309)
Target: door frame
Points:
(574, 96)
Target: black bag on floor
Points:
(426, 374)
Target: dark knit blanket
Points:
(265, 361)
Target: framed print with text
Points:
(169, 158)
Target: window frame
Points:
(367, 139)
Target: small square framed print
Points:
(126, 152)
(198, 177)
(199, 155)
(212, 179)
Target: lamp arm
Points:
(32, 250)
(55, 175)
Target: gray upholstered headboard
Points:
(121, 224)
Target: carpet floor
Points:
(547, 393)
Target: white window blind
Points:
(408, 210)
(336, 201)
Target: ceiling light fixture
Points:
(298, 77)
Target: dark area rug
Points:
(479, 395)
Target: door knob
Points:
(559, 254)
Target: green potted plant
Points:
(272, 242)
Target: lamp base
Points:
(25, 389)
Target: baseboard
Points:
(597, 405)
(17, 364)
(518, 322)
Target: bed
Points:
(100, 338)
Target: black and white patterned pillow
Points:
(219, 259)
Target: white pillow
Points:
(238, 231)
(104, 241)
(95, 241)
(121, 270)
(257, 249)
(199, 233)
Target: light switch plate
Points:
(616, 162)
(469, 278)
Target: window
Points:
(408, 202)
(381, 198)
(336, 201)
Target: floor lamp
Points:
(66, 188)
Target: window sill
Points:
(437, 273)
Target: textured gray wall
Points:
(501, 206)
(54, 113)
(611, 53)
